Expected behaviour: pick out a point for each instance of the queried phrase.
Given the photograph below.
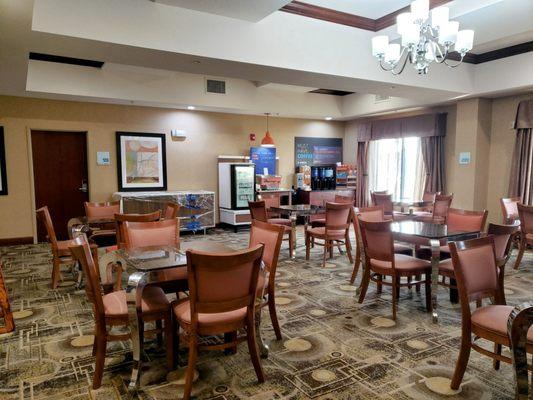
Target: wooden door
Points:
(60, 177)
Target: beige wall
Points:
(191, 164)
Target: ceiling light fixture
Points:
(267, 141)
(423, 41)
(328, 118)
(191, 108)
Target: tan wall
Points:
(191, 164)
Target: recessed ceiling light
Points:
(328, 118)
(196, 62)
(191, 107)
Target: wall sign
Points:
(264, 159)
(314, 151)
(464, 158)
(102, 158)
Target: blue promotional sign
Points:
(264, 157)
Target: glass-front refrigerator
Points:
(242, 186)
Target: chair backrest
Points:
(258, 210)
(384, 200)
(510, 209)
(372, 214)
(378, 242)
(464, 220)
(156, 233)
(343, 199)
(270, 236)
(82, 253)
(171, 210)
(222, 282)
(441, 205)
(338, 216)
(120, 219)
(502, 235)
(428, 196)
(101, 210)
(526, 218)
(476, 272)
(44, 216)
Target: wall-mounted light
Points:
(267, 140)
(191, 108)
(328, 118)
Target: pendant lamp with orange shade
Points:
(267, 141)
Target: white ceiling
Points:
(248, 10)
(364, 8)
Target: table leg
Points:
(435, 259)
(263, 348)
(136, 283)
(293, 218)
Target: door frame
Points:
(29, 129)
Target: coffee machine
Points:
(323, 177)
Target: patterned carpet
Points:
(332, 347)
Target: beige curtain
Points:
(362, 194)
(433, 154)
(521, 182)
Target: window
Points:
(397, 166)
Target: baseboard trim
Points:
(16, 241)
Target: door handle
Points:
(84, 187)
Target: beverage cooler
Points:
(236, 186)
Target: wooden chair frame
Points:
(259, 213)
(172, 210)
(524, 241)
(507, 219)
(5, 309)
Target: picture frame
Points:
(3, 170)
(141, 161)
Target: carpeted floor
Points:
(332, 347)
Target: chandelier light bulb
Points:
(379, 45)
(440, 16)
(465, 41)
(448, 33)
(420, 10)
(403, 21)
(392, 55)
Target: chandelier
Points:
(423, 41)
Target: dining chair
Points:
(159, 233)
(171, 210)
(111, 310)
(509, 208)
(440, 209)
(373, 214)
(60, 252)
(335, 234)
(5, 308)
(525, 214)
(222, 295)
(476, 272)
(106, 235)
(270, 236)
(259, 212)
(381, 262)
(518, 327)
(383, 199)
(426, 211)
(338, 199)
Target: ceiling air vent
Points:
(214, 86)
(380, 98)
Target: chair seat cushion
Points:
(320, 232)
(280, 221)
(403, 263)
(182, 311)
(153, 301)
(446, 266)
(110, 249)
(493, 318)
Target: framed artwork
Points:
(141, 162)
(3, 171)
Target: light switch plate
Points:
(102, 158)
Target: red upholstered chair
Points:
(384, 200)
(334, 234)
(101, 210)
(60, 253)
(526, 229)
(270, 236)
(426, 211)
(476, 272)
(222, 297)
(440, 209)
(381, 263)
(338, 199)
(510, 209)
(171, 210)
(111, 310)
(158, 233)
(372, 214)
(259, 212)
(120, 219)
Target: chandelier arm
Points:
(443, 56)
(448, 64)
(403, 65)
